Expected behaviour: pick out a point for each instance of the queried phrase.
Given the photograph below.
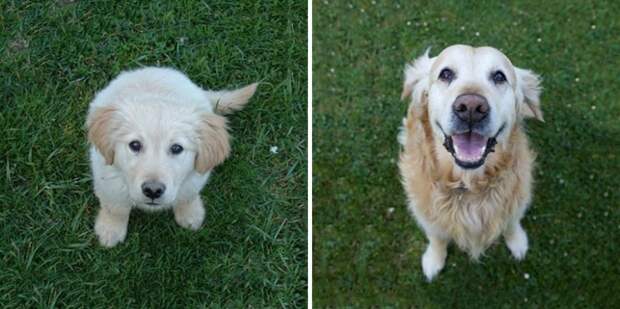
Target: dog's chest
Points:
(474, 219)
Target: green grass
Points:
(252, 249)
(363, 256)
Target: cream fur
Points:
(157, 107)
(471, 208)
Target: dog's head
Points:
(474, 97)
(156, 144)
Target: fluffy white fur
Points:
(157, 108)
(471, 207)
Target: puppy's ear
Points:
(100, 125)
(528, 84)
(213, 143)
(417, 78)
(228, 101)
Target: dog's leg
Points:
(516, 239)
(190, 215)
(111, 225)
(434, 257)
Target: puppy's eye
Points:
(498, 77)
(446, 75)
(176, 149)
(135, 146)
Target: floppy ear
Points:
(99, 123)
(528, 84)
(416, 78)
(228, 101)
(213, 142)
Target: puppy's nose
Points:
(153, 189)
(470, 107)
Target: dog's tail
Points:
(229, 101)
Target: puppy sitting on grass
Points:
(155, 138)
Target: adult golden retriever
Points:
(466, 165)
(155, 138)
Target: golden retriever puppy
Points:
(465, 164)
(155, 138)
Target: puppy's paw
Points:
(432, 262)
(109, 233)
(190, 216)
(517, 243)
(111, 225)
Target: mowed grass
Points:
(363, 255)
(252, 248)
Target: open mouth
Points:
(470, 149)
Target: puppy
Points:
(465, 164)
(155, 138)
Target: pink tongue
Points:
(469, 146)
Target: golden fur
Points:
(216, 146)
(469, 204)
(473, 209)
(98, 123)
(227, 102)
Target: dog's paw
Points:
(110, 234)
(517, 243)
(432, 263)
(190, 216)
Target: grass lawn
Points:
(252, 249)
(364, 256)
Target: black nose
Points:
(153, 189)
(470, 107)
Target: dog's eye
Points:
(176, 149)
(498, 77)
(135, 146)
(446, 75)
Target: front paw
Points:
(110, 233)
(190, 216)
(111, 225)
(517, 243)
(432, 262)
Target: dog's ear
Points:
(528, 84)
(228, 101)
(416, 78)
(213, 143)
(100, 125)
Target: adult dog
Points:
(466, 165)
(155, 138)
